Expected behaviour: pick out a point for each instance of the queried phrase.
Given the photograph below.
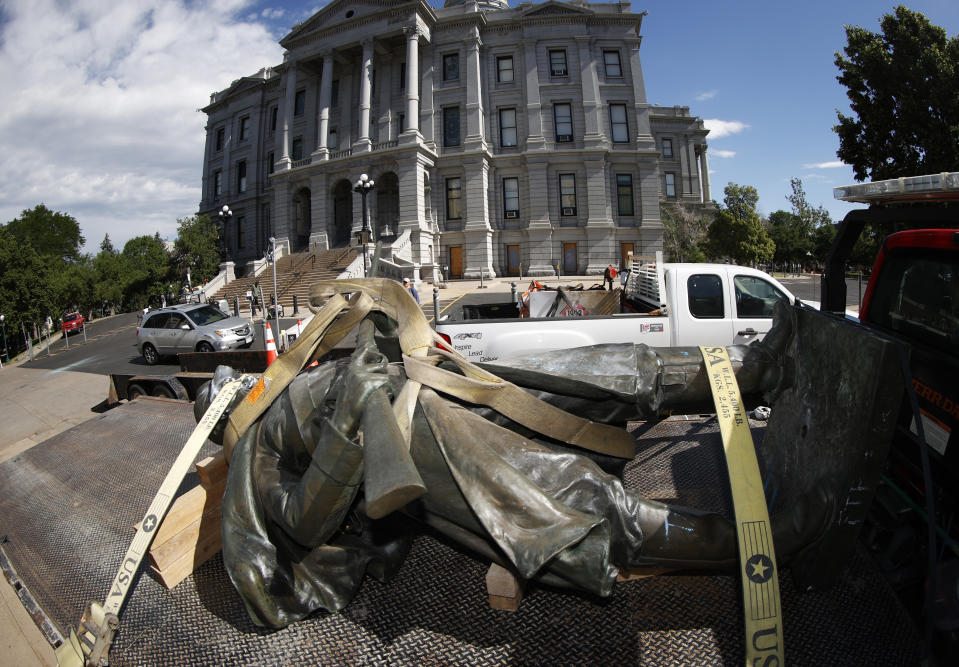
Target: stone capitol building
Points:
(501, 140)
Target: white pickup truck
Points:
(704, 304)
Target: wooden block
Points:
(641, 573)
(212, 469)
(505, 590)
(164, 554)
(184, 566)
(188, 508)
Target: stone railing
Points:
(354, 270)
(402, 246)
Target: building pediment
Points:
(240, 86)
(553, 8)
(342, 13)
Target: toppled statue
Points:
(515, 482)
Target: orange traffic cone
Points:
(270, 346)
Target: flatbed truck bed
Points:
(436, 609)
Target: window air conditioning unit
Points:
(569, 210)
(564, 137)
(559, 72)
(512, 214)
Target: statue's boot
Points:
(824, 447)
(676, 538)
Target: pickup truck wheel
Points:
(150, 355)
(162, 391)
(204, 347)
(135, 391)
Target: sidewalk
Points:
(36, 404)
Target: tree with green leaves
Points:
(684, 228)
(901, 85)
(792, 231)
(822, 239)
(785, 229)
(736, 232)
(27, 291)
(146, 271)
(50, 234)
(196, 247)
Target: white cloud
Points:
(273, 13)
(708, 95)
(99, 119)
(825, 165)
(715, 153)
(723, 128)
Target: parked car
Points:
(73, 322)
(191, 328)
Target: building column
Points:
(326, 91)
(412, 79)
(600, 231)
(651, 227)
(539, 258)
(535, 141)
(644, 135)
(685, 166)
(346, 137)
(477, 233)
(704, 173)
(366, 85)
(413, 175)
(427, 115)
(593, 137)
(319, 212)
(289, 100)
(475, 123)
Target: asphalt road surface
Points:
(109, 347)
(109, 344)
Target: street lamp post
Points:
(364, 185)
(224, 215)
(6, 352)
(276, 299)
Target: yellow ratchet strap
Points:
(757, 558)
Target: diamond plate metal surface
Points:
(70, 504)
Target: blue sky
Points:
(100, 117)
(762, 76)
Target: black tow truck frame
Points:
(196, 368)
(913, 297)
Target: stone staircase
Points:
(295, 274)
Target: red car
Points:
(73, 322)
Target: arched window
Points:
(342, 213)
(300, 233)
(387, 204)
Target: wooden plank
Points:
(184, 566)
(187, 508)
(212, 469)
(505, 591)
(641, 573)
(184, 542)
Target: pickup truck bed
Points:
(436, 609)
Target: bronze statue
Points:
(297, 532)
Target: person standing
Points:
(608, 276)
(412, 290)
